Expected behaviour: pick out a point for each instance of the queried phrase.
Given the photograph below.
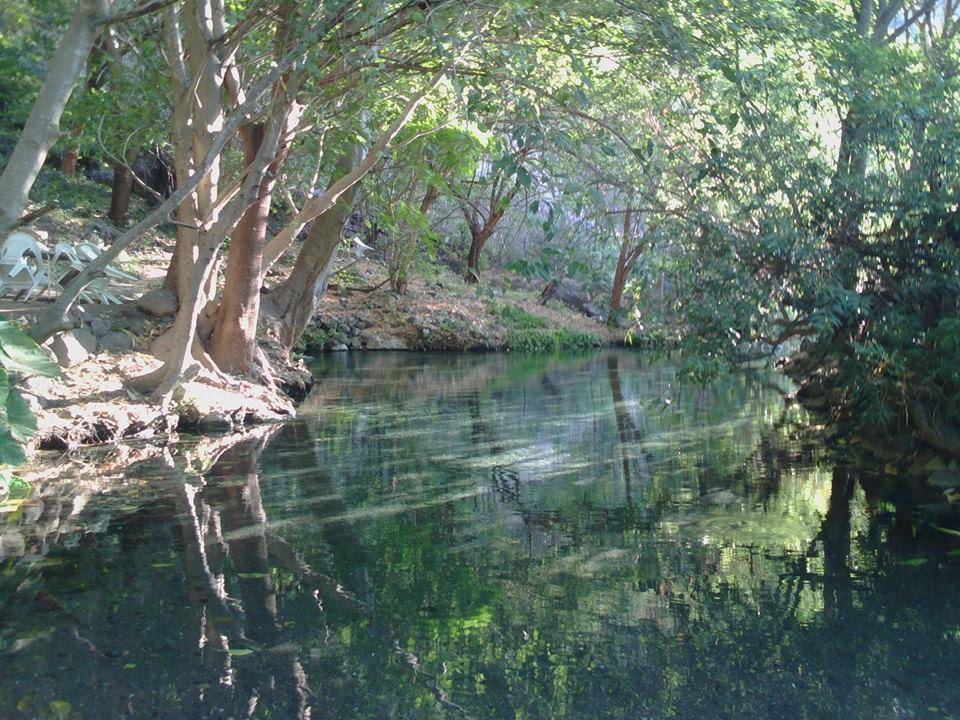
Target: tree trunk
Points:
(42, 128)
(478, 238)
(616, 292)
(624, 263)
(68, 162)
(295, 301)
(233, 343)
(120, 196)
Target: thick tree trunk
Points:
(120, 195)
(57, 317)
(233, 343)
(198, 115)
(42, 128)
(295, 301)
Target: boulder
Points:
(116, 342)
(73, 346)
(99, 326)
(159, 303)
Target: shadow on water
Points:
(487, 537)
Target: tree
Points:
(42, 127)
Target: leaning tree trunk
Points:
(120, 194)
(294, 302)
(42, 128)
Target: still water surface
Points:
(483, 537)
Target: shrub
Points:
(314, 341)
(548, 341)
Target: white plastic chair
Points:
(90, 252)
(22, 267)
(77, 257)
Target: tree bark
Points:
(616, 292)
(42, 128)
(120, 194)
(625, 262)
(294, 302)
(56, 318)
(233, 343)
(478, 238)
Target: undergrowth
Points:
(547, 341)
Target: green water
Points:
(483, 537)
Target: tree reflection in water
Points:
(485, 537)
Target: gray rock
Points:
(116, 342)
(356, 343)
(159, 303)
(99, 326)
(73, 346)
(339, 347)
(374, 341)
(137, 324)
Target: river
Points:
(484, 536)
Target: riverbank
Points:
(94, 399)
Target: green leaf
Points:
(240, 652)
(21, 421)
(11, 453)
(21, 354)
(523, 178)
